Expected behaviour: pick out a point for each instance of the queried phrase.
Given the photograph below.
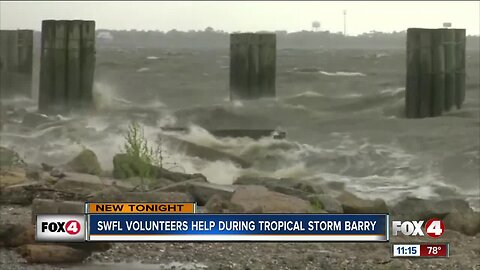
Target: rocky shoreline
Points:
(28, 189)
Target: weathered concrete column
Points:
(252, 65)
(460, 75)
(87, 45)
(435, 71)
(449, 45)
(16, 58)
(438, 69)
(47, 66)
(67, 65)
(74, 34)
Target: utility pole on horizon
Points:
(345, 22)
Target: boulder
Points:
(12, 176)
(203, 191)
(420, 209)
(22, 194)
(15, 235)
(47, 206)
(259, 199)
(326, 202)
(85, 162)
(352, 204)
(467, 223)
(288, 186)
(181, 186)
(33, 172)
(218, 204)
(157, 196)
(51, 254)
(87, 184)
(155, 183)
(107, 194)
(200, 190)
(111, 194)
(9, 157)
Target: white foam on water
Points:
(143, 69)
(342, 73)
(393, 91)
(309, 94)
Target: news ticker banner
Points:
(422, 250)
(179, 222)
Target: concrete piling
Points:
(73, 63)
(16, 59)
(47, 65)
(67, 65)
(438, 76)
(435, 71)
(425, 97)
(252, 65)
(449, 44)
(460, 75)
(87, 44)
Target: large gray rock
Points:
(181, 186)
(15, 235)
(288, 186)
(200, 190)
(157, 196)
(85, 162)
(113, 194)
(22, 194)
(87, 184)
(218, 204)
(12, 176)
(415, 208)
(46, 206)
(107, 194)
(467, 223)
(203, 191)
(352, 204)
(260, 199)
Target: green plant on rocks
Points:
(317, 206)
(140, 155)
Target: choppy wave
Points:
(369, 167)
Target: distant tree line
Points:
(217, 39)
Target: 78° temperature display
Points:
(421, 250)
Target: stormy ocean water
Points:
(342, 112)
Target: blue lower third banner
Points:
(237, 227)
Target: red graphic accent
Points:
(433, 250)
(435, 227)
(73, 227)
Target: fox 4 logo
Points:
(71, 227)
(59, 227)
(433, 228)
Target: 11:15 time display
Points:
(409, 250)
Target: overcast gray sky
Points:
(248, 15)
